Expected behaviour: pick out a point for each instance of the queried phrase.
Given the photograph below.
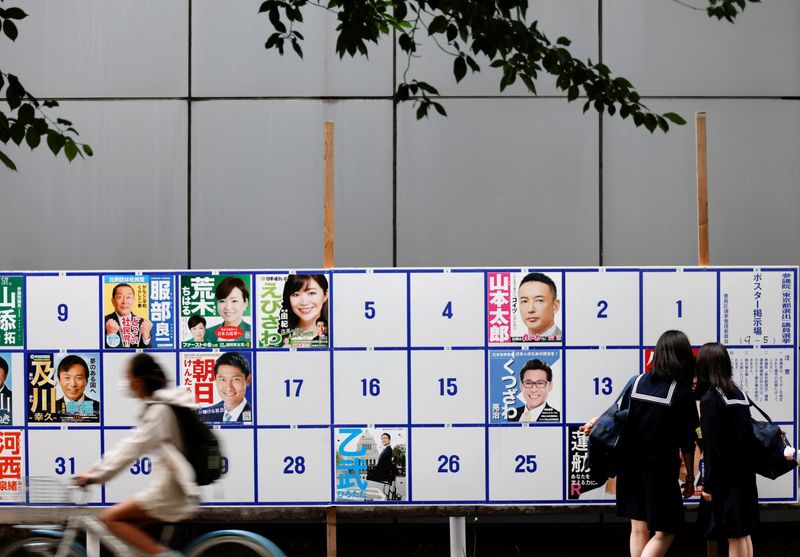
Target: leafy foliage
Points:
(498, 30)
(27, 119)
(727, 9)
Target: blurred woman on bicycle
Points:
(173, 495)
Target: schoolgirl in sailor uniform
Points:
(661, 424)
(729, 477)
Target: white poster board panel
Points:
(447, 386)
(526, 463)
(783, 487)
(62, 453)
(448, 464)
(595, 379)
(757, 307)
(370, 309)
(446, 309)
(682, 300)
(121, 407)
(370, 387)
(293, 388)
(63, 312)
(132, 479)
(294, 465)
(767, 376)
(602, 308)
(237, 482)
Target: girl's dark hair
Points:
(144, 367)
(673, 358)
(714, 368)
(295, 283)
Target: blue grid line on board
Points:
(532, 425)
(486, 383)
(423, 270)
(622, 270)
(794, 390)
(331, 333)
(348, 272)
(477, 271)
(102, 345)
(699, 270)
(674, 270)
(442, 348)
(408, 385)
(430, 425)
(641, 322)
(719, 305)
(254, 399)
(25, 381)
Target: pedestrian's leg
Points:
(125, 520)
(640, 533)
(658, 545)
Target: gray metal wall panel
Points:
(97, 48)
(668, 49)
(125, 208)
(499, 182)
(229, 58)
(257, 183)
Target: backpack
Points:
(200, 445)
(770, 441)
(604, 438)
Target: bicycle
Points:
(46, 541)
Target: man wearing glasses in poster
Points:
(536, 379)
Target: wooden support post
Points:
(330, 523)
(327, 222)
(327, 228)
(702, 189)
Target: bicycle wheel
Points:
(38, 546)
(232, 543)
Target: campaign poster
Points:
(580, 483)
(371, 464)
(6, 408)
(137, 311)
(215, 311)
(64, 388)
(292, 311)
(523, 307)
(11, 460)
(757, 307)
(11, 325)
(524, 386)
(221, 385)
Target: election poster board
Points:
(373, 386)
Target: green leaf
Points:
(438, 25)
(15, 13)
(573, 93)
(563, 41)
(297, 49)
(55, 141)
(459, 68)
(50, 103)
(26, 113)
(88, 150)
(32, 138)
(8, 162)
(70, 150)
(439, 108)
(452, 32)
(674, 118)
(10, 29)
